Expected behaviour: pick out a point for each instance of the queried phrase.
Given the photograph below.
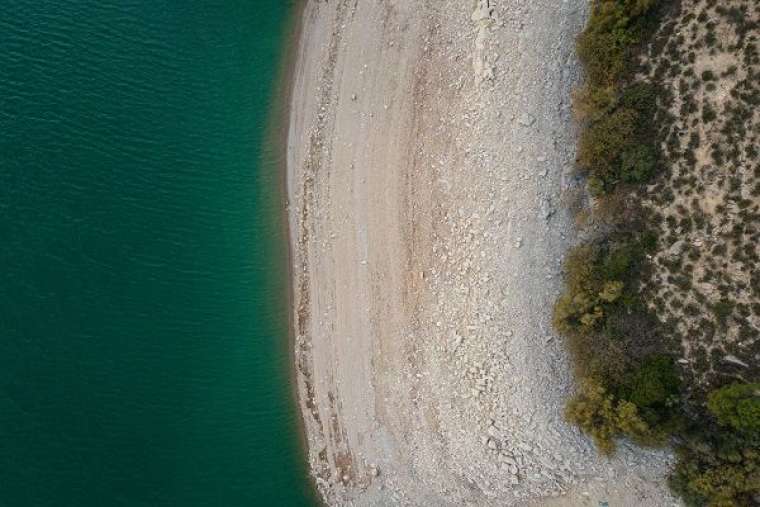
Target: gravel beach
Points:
(430, 173)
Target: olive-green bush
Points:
(654, 383)
(602, 143)
(637, 163)
(717, 468)
(599, 280)
(616, 146)
(737, 406)
(604, 46)
(591, 103)
(605, 418)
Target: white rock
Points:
(527, 120)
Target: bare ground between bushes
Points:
(430, 161)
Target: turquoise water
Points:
(143, 332)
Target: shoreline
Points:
(429, 163)
(278, 132)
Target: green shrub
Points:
(593, 411)
(590, 289)
(724, 308)
(708, 113)
(602, 143)
(596, 186)
(737, 406)
(604, 45)
(592, 102)
(611, 291)
(618, 145)
(654, 383)
(600, 312)
(579, 289)
(642, 98)
(603, 55)
(637, 164)
(603, 417)
(717, 469)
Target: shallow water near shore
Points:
(143, 334)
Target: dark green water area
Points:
(144, 356)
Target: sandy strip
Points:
(430, 157)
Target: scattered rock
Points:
(526, 120)
(732, 359)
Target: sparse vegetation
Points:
(661, 309)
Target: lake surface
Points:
(144, 356)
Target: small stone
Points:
(527, 120)
(509, 461)
(735, 360)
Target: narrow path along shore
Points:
(430, 166)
